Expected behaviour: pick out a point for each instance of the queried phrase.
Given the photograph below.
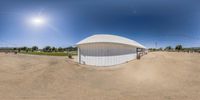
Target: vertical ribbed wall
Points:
(106, 54)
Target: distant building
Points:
(107, 50)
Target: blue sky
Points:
(167, 22)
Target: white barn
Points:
(106, 50)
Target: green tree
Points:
(60, 49)
(24, 48)
(28, 49)
(54, 49)
(19, 49)
(47, 49)
(178, 47)
(168, 48)
(14, 49)
(34, 48)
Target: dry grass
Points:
(157, 76)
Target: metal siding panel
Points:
(106, 54)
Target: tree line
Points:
(178, 48)
(36, 48)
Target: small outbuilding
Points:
(107, 50)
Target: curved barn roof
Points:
(102, 38)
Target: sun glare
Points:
(38, 21)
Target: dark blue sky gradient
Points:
(167, 22)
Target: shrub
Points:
(70, 56)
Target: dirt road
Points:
(157, 76)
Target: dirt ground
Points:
(157, 76)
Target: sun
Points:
(38, 21)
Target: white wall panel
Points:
(106, 54)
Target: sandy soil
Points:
(157, 76)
